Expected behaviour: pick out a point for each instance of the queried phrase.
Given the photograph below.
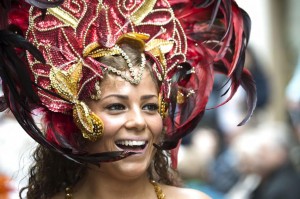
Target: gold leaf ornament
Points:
(66, 83)
(89, 123)
(137, 37)
(158, 46)
(64, 16)
(142, 11)
(95, 50)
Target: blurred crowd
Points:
(260, 160)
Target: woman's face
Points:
(131, 122)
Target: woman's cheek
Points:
(156, 126)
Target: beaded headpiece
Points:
(186, 40)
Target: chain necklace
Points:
(157, 189)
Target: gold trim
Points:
(142, 11)
(94, 50)
(157, 46)
(64, 16)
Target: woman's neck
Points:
(100, 185)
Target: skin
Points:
(129, 112)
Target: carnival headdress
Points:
(186, 40)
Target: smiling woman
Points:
(117, 85)
(132, 123)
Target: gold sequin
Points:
(180, 97)
(162, 107)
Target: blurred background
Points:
(260, 160)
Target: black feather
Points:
(44, 4)
(247, 25)
(3, 104)
(4, 7)
(171, 141)
(11, 39)
(202, 4)
(5, 4)
(13, 70)
(249, 86)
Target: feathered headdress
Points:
(186, 40)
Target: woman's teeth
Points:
(131, 144)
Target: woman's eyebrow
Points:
(148, 97)
(125, 97)
(117, 96)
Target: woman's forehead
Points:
(113, 83)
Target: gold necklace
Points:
(157, 189)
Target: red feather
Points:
(217, 32)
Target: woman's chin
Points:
(131, 169)
(135, 165)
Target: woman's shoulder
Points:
(182, 193)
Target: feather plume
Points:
(217, 33)
(13, 69)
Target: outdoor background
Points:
(221, 158)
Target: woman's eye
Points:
(151, 107)
(115, 107)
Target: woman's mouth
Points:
(132, 145)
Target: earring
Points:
(162, 107)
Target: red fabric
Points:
(18, 15)
(60, 129)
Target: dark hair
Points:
(51, 172)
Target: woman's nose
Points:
(136, 119)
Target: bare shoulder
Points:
(182, 193)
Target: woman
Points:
(117, 85)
